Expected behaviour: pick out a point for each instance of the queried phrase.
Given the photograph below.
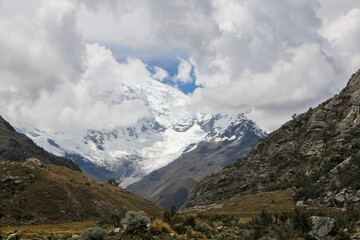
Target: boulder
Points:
(356, 236)
(322, 226)
(300, 204)
(13, 236)
(34, 161)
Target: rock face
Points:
(18, 147)
(171, 184)
(322, 226)
(318, 149)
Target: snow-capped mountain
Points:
(128, 153)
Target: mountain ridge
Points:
(122, 148)
(37, 187)
(309, 153)
(15, 146)
(170, 185)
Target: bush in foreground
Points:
(135, 222)
(94, 233)
(158, 227)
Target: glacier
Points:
(130, 152)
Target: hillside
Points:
(31, 194)
(317, 153)
(171, 184)
(15, 146)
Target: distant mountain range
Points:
(15, 146)
(171, 184)
(38, 187)
(317, 153)
(130, 153)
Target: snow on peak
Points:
(158, 136)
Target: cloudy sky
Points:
(267, 58)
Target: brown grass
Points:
(249, 205)
(158, 226)
(61, 228)
(45, 230)
(58, 194)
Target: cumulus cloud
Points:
(40, 48)
(160, 74)
(102, 99)
(269, 59)
(184, 72)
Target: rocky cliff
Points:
(317, 153)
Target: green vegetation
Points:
(265, 225)
(348, 173)
(136, 222)
(94, 233)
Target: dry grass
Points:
(249, 205)
(57, 194)
(158, 226)
(61, 228)
(45, 230)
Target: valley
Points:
(284, 199)
(179, 120)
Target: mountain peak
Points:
(302, 153)
(6, 125)
(354, 82)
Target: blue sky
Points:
(167, 60)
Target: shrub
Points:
(218, 237)
(204, 228)
(265, 218)
(193, 234)
(342, 236)
(114, 220)
(283, 218)
(300, 221)
(189, 221)
(94, 233)
(158, 226)
(179, 228)
(135, 222)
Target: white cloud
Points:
(101, 99)
(39, 47)
(160, 74)
(184, 72)
(341, 34)
(268, 58)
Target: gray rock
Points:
(13, 236)
(300, 204)
(340, 199)
(113, 231)
(322, 226)
(35, 161)
(356, 236)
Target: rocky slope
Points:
(317, 153)
(31, 193)
(171, 184)
(18, 147)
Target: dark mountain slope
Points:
(32, 194)
(317, 152)
(171, 184)
(18, 147)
